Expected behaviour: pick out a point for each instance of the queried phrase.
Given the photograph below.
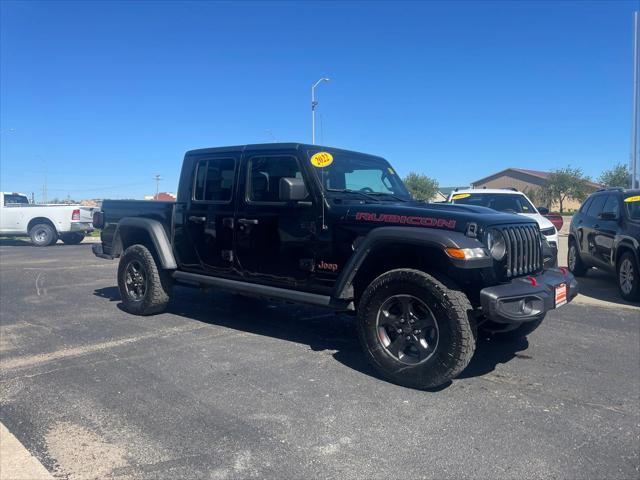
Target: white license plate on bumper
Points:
(561, 295)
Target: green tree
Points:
(568, 182)
(422, 188)
(618, 176)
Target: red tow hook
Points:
(564, 271)
(534, 282)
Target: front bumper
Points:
(527, 298)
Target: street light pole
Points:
(313, 108)
(634, 132)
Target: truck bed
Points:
(115, 210)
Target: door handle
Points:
(248, 221)
(196, 219)
(596, 226)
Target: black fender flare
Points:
(156, 233)
(431, 237)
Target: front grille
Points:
(524, 249)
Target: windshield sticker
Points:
(391, 171)
(460, 196)
(322, 159)
(632, 199)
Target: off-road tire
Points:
(451, 310)
(73, 238)
(521, 331)
(634, 294)
(579, 269)
(157, 282)
(43, 235)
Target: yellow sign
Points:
(322, 159)
(460, 196)
(632, 199)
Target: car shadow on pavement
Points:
(601, 285)
(322, 330)
(14, 242)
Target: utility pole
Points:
(157, 178)
(634, 132)
(314, 104)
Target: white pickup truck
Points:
(45, 224)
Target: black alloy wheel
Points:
(407, 329)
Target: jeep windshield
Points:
(502, 202)
(364, 175)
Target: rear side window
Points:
(15, 200)
(612, 205)
(214, 180)
(585, 205)
(597, 204)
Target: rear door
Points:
(208, 216)
(589, 225)
(274, 239)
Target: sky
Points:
(101, 96)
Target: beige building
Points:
(529, 182)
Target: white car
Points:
(43, 223)
(508, 201)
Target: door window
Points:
(263, 180)
(214, 180)
(597, 204)
(612, 205)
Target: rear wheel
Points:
(73, 238)
(43, 234)
(574, 261)
(143, 287)
(415, 328)
(628, 277)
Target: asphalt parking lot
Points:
(226, 387)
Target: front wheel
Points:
(73, 238)
(628, 277)
(415, 328)
(144, 289)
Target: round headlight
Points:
(497, 244)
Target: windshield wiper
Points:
(357, 192)
(392, 195)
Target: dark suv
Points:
(605, 233)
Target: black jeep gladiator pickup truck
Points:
(338, 229)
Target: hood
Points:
(543, 222)
(444, 216)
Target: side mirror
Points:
(608, 216)
(543, 210)
(292, 189)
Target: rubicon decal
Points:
(406, 220)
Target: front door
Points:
(208, 217)
(274, 239)
(604, 231)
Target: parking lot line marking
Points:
(16, 462)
